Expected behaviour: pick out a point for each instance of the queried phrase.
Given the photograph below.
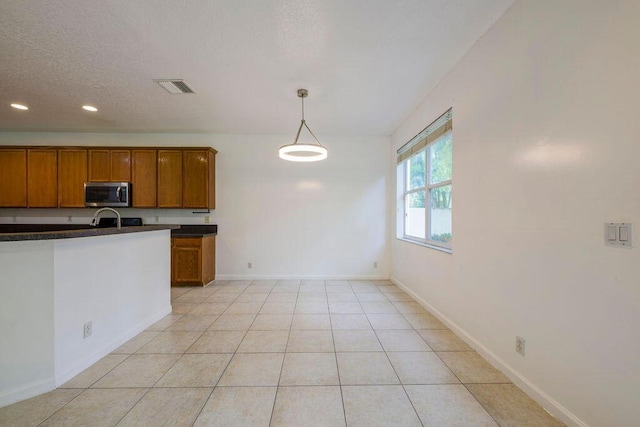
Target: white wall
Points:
(325, 219)
(546, 151)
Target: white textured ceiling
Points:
(366, 63)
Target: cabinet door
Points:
(208, 259)
(197, 179)
(143, 178)
(13, 178)
(169, 179)
(186, 260)
(72, 174)
(212, 180)
(120, 166)
(99, 166)
(42, 178)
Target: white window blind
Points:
(435, 130)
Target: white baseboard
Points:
(28, 391)
(63, 377)
(9, 397)
(547, 402)
(290, 277)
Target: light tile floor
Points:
(288, 353)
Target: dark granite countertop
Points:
(194, 231)
(10, 233)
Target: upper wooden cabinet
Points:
(42, 178)
(72, 174)
(13, 178)
(109, 165)
(144, 178)
(161, 177)
(169, 178)
(120, 165)
(198, 179)
(99, 167)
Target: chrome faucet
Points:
(94, 220)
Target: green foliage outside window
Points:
(441, 170)
(417, 179)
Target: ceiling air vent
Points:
(175, 86)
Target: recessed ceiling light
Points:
(90, 108)
(20, 106)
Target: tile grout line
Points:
(278, 386)
(481, 405)
(228, 363)
(463, 384)
(174, 363)
(89, 388)
(335, 356)
(170, 367)
(221, 374)
(284, 356)
(398, 376)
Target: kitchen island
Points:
(70, 297)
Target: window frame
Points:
(426, 188)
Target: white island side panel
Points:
(26, 320)
(120, 283)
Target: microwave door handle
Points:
(118, 194)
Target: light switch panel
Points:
(624, 233)
(618, 234)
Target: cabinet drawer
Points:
(192, 242)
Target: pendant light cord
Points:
(304, 123)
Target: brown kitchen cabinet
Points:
(72, 174)
(109, 165)
(198, 179)
(193, 260)
(169, 179)
(144, 166)
(42, 178)
(13, 178)
(176, 177)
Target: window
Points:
(425, 185)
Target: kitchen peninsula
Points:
(70, 297)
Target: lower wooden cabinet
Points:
(193, 260)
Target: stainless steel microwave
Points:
(112, 194)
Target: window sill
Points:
(426, 245)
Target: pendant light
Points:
(303, 152)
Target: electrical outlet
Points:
(69, 219)
(520, 345)
(88, 329)
(375, 265)
(249, 265)
(156, 218)
(207, 219)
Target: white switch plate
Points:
(618, 234)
